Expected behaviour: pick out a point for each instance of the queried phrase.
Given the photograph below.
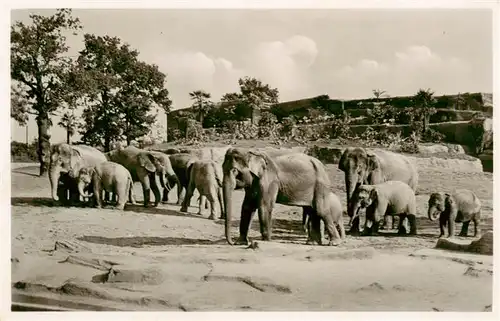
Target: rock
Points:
(475, 272)
(98, 264)
(71, 246)
(151, 276)
(482, 246)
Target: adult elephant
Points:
(179, 163)
(294, 179)
(144, 165)
(65, 163)
(363, 166)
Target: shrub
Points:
(21, 152)
(410, 144)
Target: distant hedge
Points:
(23, 153)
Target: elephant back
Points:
(91, 156)
(397, 167)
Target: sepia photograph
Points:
(251, 159)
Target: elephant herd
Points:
(382, 183)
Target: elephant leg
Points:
(333, 233)
(211, 198)
(155, 189)
(341, 229)
(122, 191)
(314, 229)
(307, 211)
(476, 225)
(221, 203)
(202, 203)
(442, 224)
(180, 188)
(265, 211)
(465, 229)
(451, 227)
(354, 230)
(146, 189)
(401, 226)
(250, 204)
(164, 199)
(412, 221)
(131, 195)
(189, 194)
(97, 193)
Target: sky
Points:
(345, 53)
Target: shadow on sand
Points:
(139, 241)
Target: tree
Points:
(202, 104)
(39, 69)
(119, 90)
(424, 106)
(68, 121)
(378, 93)
(460, 101)
(253, 95)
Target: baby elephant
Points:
(387, 198)
(206, 177)
(110, 176)
(460, 206)
(333, 222)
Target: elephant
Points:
(65, 163)
(294, 179)
(179, 165)
(460, 206)
(110, 176)
(313, 223)
(206, 177)
(387, 198)
(143, 167)
(363, 166)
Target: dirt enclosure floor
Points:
(162, 259)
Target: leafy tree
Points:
(202, 104)
(253, 95)
(378, 93)
(424, 106)
(38, 70)
(69, 123)
(119, 90)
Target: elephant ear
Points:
(372, 162)
(146, 161)
(189, 167)
(448, 201)
(374, 195)
(256, 164)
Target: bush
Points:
(432, 136)
(21, 152)
(410, 144)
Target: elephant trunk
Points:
(54, 175)
(353, 210)
(81, 187)
(228, 185)
(351, 182)
(433, 213)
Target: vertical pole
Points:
(27, 134)
(166, 127)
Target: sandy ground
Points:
(162, 259)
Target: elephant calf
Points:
(111, 177)
(461, 206)
(387, 198)
(332, 215)
(206, 177)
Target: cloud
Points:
(282, 64)
(408, 70)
